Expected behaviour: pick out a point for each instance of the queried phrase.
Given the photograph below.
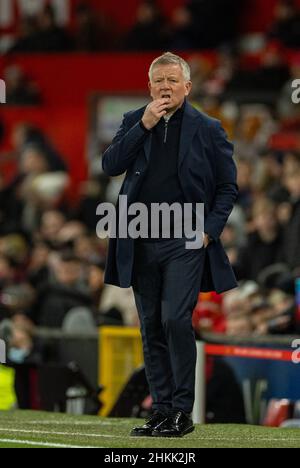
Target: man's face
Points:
(168, 82)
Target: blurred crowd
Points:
(196, 24)
(51, 261)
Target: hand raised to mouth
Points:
(154, 112)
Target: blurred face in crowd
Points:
(291, 162)
(33, 162)
(292, 183)
(68, 273)
(19, 136)
(168, 82)
(146, 13)
(284, 10)
(39, 256)
(239, 326)
(265, 220)
(71, 231)
(244, 174)
(46, 19)
(6, 271)
(272, 167)
(52, 223)
(181, 18)
(96, 278)
(84, 247)
(21, 339)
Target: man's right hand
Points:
(154, 112)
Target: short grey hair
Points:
(171, 59)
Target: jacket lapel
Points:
(147, 147)
(190, 124)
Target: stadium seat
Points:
(278, 411)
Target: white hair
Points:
(171, 59)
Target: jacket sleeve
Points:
(226, 183)
(124, 148)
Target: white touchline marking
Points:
(74, 423)
(44, 444)
(202, 438)
(71, 434)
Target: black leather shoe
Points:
(178, 424)
(146, 430)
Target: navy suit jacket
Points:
(207, 174)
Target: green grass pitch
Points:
(28, 429)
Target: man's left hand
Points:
(206, 240)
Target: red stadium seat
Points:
(278, 411)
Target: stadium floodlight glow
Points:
(2, 352)
(296, 93)
(2, 92)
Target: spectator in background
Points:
(20, 91)
(40, 188)
(26, 40)
(41, 34)
(245, 183)
(263, 246)
(25, 134)
(21, 347)
(88, 248)
(33, 161)
(91, 31)
(269, 78)
(7, 271)
(286, 26)
(93, 192)
(38, 271)
(270, 176)
(33, 191)
(65, 290)
(51, 224)
(181, 30)
(7, 278)
(291, 244)
(51, 38)
(200, 24)
(148, 32)
(96, 281)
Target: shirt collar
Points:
(178, 112)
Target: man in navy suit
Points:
(171, 153)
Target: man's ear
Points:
(188, 88)
(150, 88)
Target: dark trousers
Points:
(166, 283)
